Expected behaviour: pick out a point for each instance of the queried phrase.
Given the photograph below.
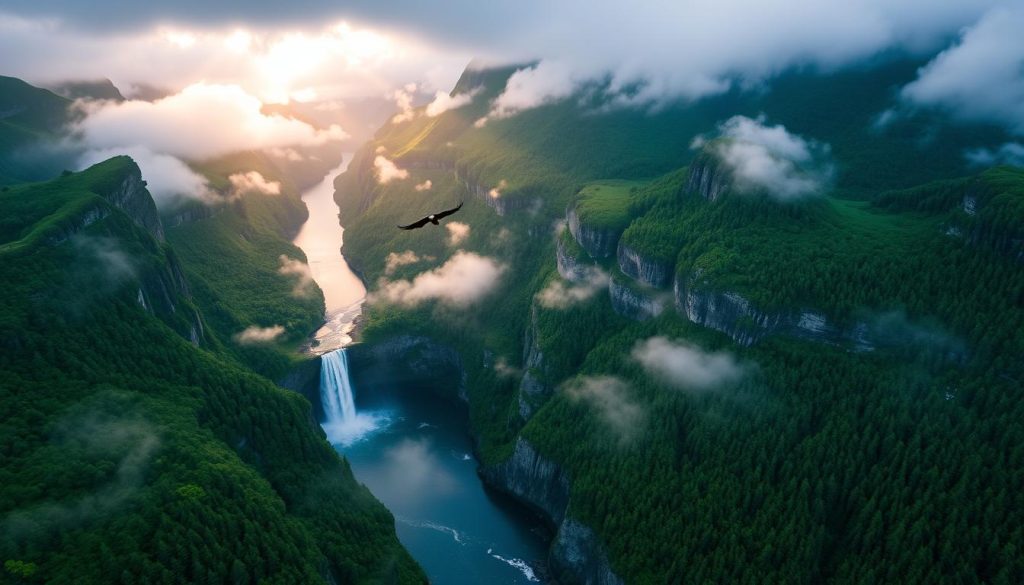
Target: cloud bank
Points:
(686, 366)
(770, 159)
(203, 121)
(168, 179)
(980, 78)
(1011, 153)
(463, 280)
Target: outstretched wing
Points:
(448, 212)
(415, 224)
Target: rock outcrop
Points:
(569, 265)
(412, 357)
(708, 177)
(130, 196)
(533, 391)
(636, 304)
(493, 197)
(599, 243)
(643, 269)
(737, 317)
(576, 554)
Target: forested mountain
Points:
(139, 444)
(813, 376)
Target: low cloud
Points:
(770, 159)
(168, 179)
(463, 280)
(609, 397)
(128, 443)
(457, 232)
(894, 328)
(289, 154)
(202, 121)
(304, 285)
(388, 171)
(403, 101)
(253, 182)
(1011, 153)
(687, 366)
(545, 82)
(425, 185)
(503, 369)
(559, 294)
(979, 78)
(443, 102)
(116, 265)
(254, 335)
(496, 191)
(398, 259)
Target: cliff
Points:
(533, 390)
(500, 202)
(707, 177)
(598, 242)
(576, 555)
(643, 269)
(633, 303)
(129, 194)
(733, 314)
(568, 261)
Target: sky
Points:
(229, 57)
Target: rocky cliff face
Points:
(576, 554)
(599, 243)
(533, 391)
(635, 304)
(569, 266)
(131, 197)
(501, 204)
(412, 357)
(737, 317)
(643, 269)
(708, 177)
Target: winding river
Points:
(410, 448)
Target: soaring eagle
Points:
(430, 219)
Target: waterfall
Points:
(342, 423)
(336, 389)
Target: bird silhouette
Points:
(431, 219)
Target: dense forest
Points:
(142, 441)
(863, 426)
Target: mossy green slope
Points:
(822, 464)
(133, 456)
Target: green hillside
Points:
(136, 448)
(29, 116)
(886, 452)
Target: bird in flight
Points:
(432, 218)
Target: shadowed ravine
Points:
(411, 448)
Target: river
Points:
(412, 449)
